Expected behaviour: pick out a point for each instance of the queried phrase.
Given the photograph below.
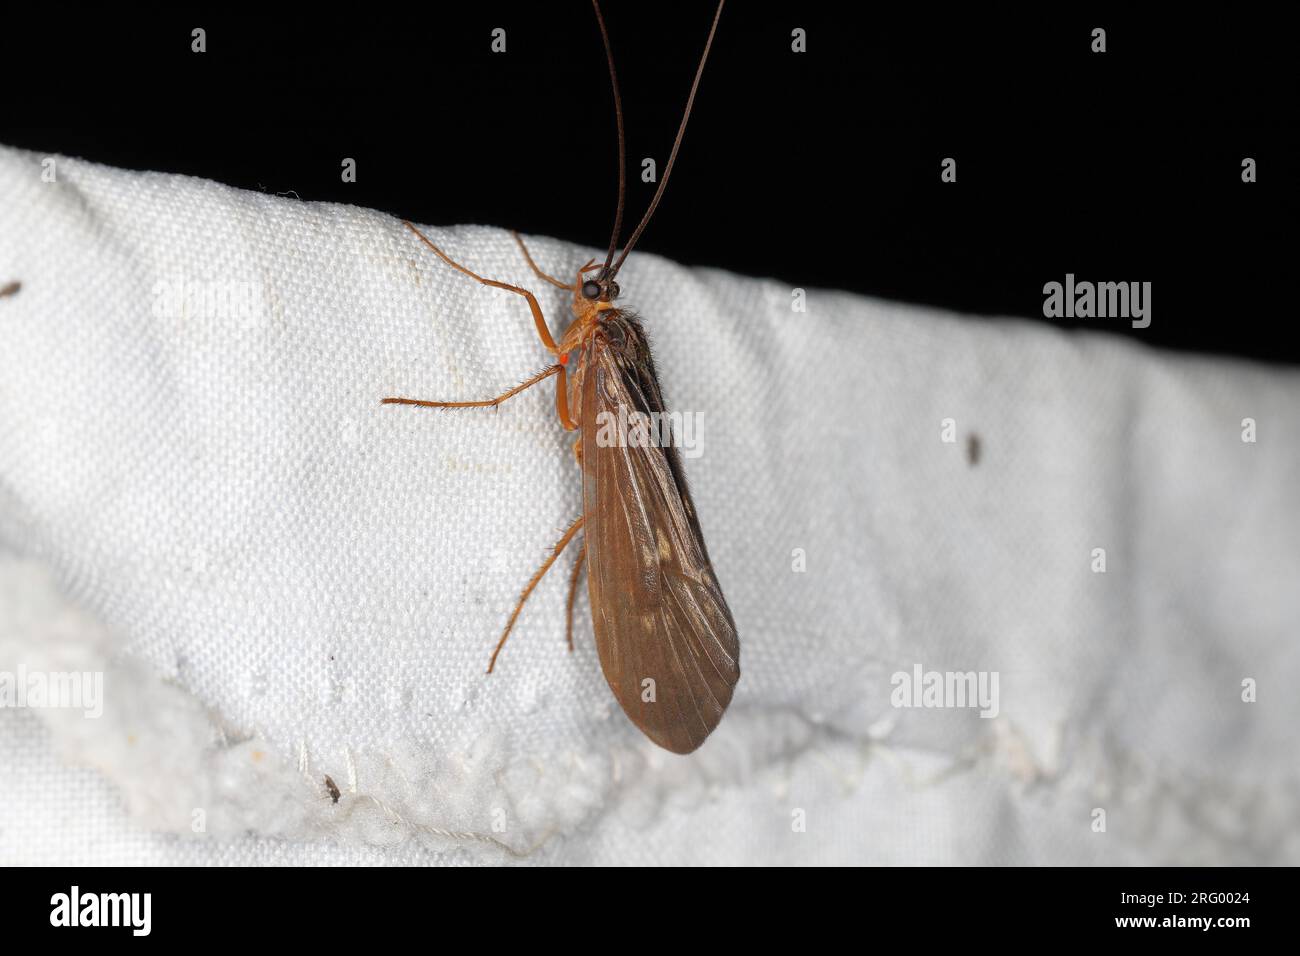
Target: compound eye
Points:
(591, 290)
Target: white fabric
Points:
(282, 579)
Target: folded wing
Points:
(665, 636)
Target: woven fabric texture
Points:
(202, 498)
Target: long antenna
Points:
(681, 131)
(622, 150)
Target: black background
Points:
(819, 169)
(328, 911)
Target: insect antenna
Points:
(622, 149)
(672, 157)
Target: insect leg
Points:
(573, 592)
(540, 274)
(488, 403)
(543, 331)
(546, 566)
(562, 402)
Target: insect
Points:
(664, 634)
(10, 288)
(332, 788)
